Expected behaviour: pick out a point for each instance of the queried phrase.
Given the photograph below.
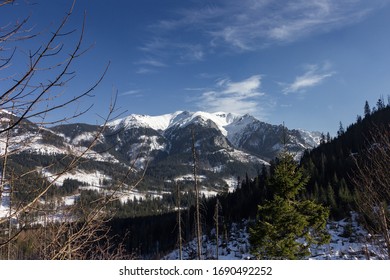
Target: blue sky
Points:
(310, 64)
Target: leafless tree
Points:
(216, 220)
(179, 220)
(372, 181)
(198, 225)
(29, 97)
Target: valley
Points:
(139, 171)
(156, 148)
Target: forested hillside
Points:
(332, 165)
(331, 169)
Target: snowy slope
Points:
(161, 122)
(220, 119)
(225, 143)
(179, 119)
(233, 126)
(5, 202)
(349, 241)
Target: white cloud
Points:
(236, 97)
(314, 75)
(144, 70)
(189, 52)
(234, 36)
(134, 93)
(162, 52)
(247, 88)
(195, 89)
(152, 62)
(251, 24)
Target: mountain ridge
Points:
(227, 145)
(229, 124)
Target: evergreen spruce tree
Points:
(330, 197)
(286, 226)
(328, 138)
(341, 130)
(380, 103)
(322, 139)
(367, 110)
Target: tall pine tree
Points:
(286, 226)
(367, 110)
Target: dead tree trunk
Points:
(372, 182)
(216, 219)
(197, 201)
(178, 205)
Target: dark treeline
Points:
(149, 228)
(331, 165)
(151, 236)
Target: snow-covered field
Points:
(349, 241)
(91, 178)
(4, 204)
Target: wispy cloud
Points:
(134, 93)
(162, 52)
(190, 52)
(144, 70)
(251, 24)
(195, 89)
(149, 65)
(236, 97)
(314, 75)
(151, 62)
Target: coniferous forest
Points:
(330, 170)
(284, 202)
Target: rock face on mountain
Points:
(226, 144)
(215, 132)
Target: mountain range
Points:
(227, 145)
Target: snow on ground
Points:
(190, 178)
(44, 149)
(312, 138)
(16, 143)
(232, 183)
(236, 128)
(161, 122)
(31, 142)
(152, 142)
(220, 119)
(244, 157)
(4, 205)
(70, 199)
(123, 196)
(349, 241)
(179, 118)
(92, 178)
(132, 195)
(235, 248)
(207, 192)
(86, 136)
(28, 142)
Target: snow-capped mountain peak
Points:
(224, 142)
(243, 131)
(177, 119)
(160, 122)
(220, 119)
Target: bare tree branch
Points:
(76, 233)
(372, 181)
